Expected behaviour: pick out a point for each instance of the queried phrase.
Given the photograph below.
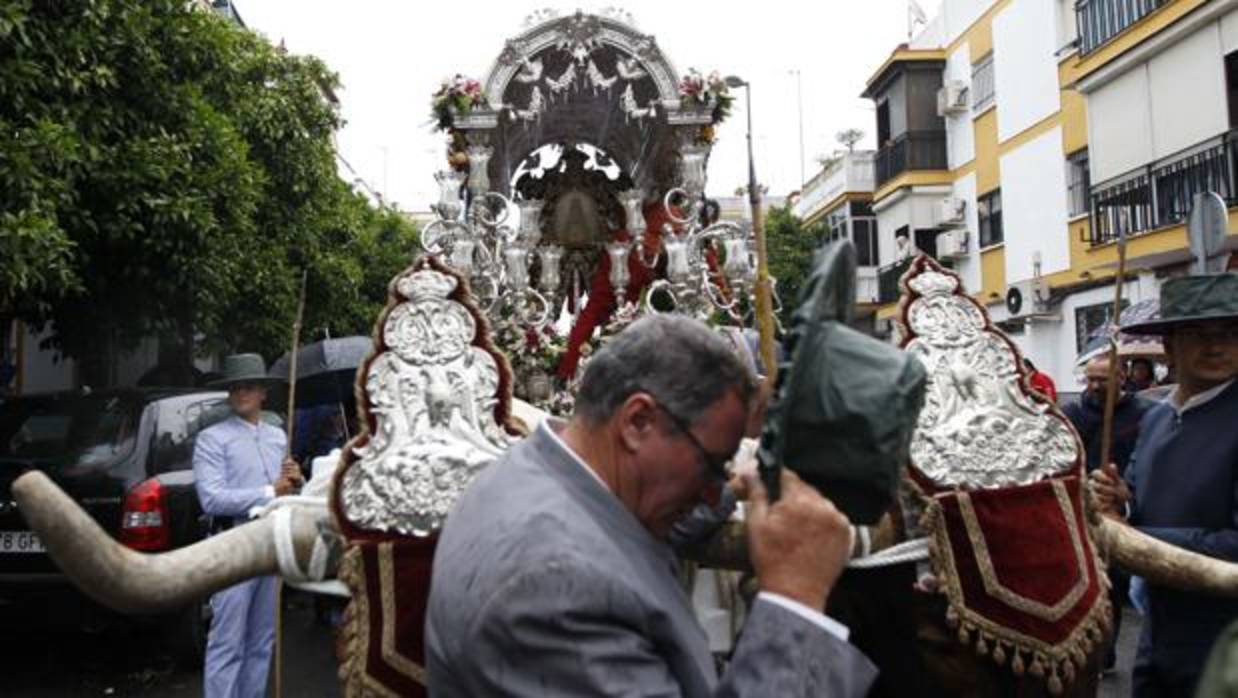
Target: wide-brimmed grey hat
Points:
(243, 368)
(1202, 298)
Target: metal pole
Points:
(1111, 387)
(799, 95)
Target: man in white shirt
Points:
(240, 464)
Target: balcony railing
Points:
(914, 150)
(1161, 193)
(1101, 20)
(887, 280)
(853, 172)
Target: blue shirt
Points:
(1184, 478)
(235, 464)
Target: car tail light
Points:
(144, 521)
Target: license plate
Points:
(20, 542)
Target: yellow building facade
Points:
(1018, 139)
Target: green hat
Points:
(243, 368)
(1204, 298)
(845, 408)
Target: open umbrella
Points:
(325, 369)
(1129, 345)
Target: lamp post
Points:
(764, 294)
(799, 98)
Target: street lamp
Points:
(754, 198)
(799, 98)
(764, 292)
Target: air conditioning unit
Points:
(952, 244)
(951, 211)
(1028, 298)
(952, 98)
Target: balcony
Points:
(853, 172)
(1101, 20)
(913, 150)
(887, 280)
(867, 286)
(1161, 193)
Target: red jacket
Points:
(1043, 384)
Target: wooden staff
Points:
(291, 426)
(292, 367)
(764, 295)
(1111, 386)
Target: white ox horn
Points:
(1165, 564)
(133, 582)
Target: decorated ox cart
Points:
(585, 129)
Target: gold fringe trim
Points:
(1058, 664)
(354, 632)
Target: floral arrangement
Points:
(699, 90)
(459, 95)
(528, 348)
(623, 316)
(535, 354)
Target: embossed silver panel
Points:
(578, 34)
(432, 395)
(978, 428)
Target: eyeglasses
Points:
(715, 465)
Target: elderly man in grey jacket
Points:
(553, 576)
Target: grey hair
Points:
(679, 361)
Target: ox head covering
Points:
(846, 405)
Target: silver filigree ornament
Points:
(580, 35)
(432, 395)
(978, 428)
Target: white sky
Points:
(392, 54)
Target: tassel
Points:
(1068, 670)
(1016, 664)
(1037, 669)
(1055, 685)
(952, 617)
(963, 636)
(982, 648)
(999, 654)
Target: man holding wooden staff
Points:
(1181, 484)
(239, 464)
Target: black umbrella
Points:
(325, 369)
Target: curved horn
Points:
(1165, 564)
(133, 582)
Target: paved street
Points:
(37, 663)
(1118, 684)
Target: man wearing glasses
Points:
(1181, 484)
(553, 576)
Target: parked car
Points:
(125, 456)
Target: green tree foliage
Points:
(163, 171)
(790, 245)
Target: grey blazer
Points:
(544, 585)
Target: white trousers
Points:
(238, 650)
